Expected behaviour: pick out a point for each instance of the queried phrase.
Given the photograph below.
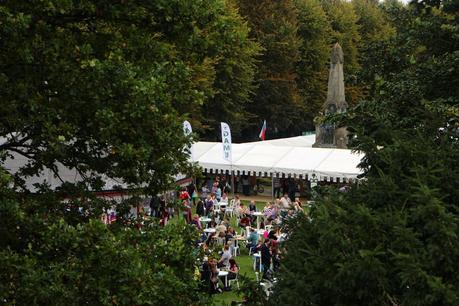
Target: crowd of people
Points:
(219, 240)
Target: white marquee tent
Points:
(289, 157)
(281, 157)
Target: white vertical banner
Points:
(226, 141)
(187, 130)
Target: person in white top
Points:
(226, 256)
(224, 198)
(285, 202)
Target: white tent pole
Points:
(272, 188)
(232, 180)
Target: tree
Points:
(46, 260)
(312, 68)
(273, 24)
(234, 68)
(376, 32)
(393, 239)
(103, 87)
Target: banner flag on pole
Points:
(263, 131)
(187, 130)
(226, 141)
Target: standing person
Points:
(277, 187)
(154, 206)
(266, 258)
(236, 183)
(204, 192)
(252, 209)
(206, 274)
(274, 250)
(222, 183)
(214, 187)
(191, 188)
(291, 189)
(245, 185)
(285, 205)
(185, 197)
(218, 194)
(200, 210)
(284, 186)
(252, 240)
(209, 204)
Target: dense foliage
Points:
(47, 260)
(394, 238)
(103, 87)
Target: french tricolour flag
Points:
(263, 131)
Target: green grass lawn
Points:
(245, 267)
(243, 260)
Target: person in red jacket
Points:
(185, 197)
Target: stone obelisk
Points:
(327, 136)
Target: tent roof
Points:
(278, 158)
(297, 141)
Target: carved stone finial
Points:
(337, 54)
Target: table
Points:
(225, 274)
(257, 214)
(205, 220)
(209, 231)
(238, 238)
(261, 232)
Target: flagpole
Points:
(232, 178)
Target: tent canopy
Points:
(279, 159)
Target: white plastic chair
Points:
(234, 280)
(255, 256)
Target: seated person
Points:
(220, 230)
(242, 210)
(206, 274)
(233, 269)
(213, 275)
(230, 233)
(195, 221)
(226, 256)
(245, 221)
(252, 206)
(252, 240)
(224, 199)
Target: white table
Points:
(209, 231)
(205, 220)
(224, 274)
(258, 215)
(261, 232)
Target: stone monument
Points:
(327, 136)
